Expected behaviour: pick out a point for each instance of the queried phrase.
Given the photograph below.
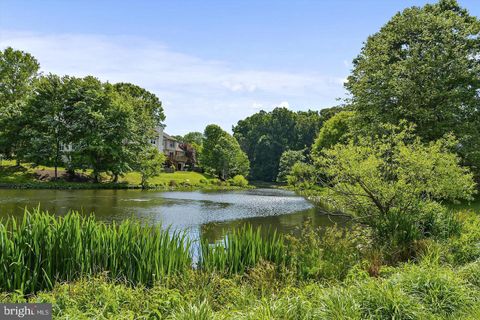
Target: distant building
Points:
(163, 142)
(170, 147)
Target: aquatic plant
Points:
(41, 249)
(242, 249)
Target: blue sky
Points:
(208, 61)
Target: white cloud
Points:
(194, 91)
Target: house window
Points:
(171, 154)
(172, 144)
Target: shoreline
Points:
(113, 186)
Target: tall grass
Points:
(241, 249)
(42, 249)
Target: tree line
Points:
(84, 123)
(423, 67)
(79, 123)
(408, 140)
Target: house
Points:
(170, 147)
(163, 142)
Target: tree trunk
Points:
(96, 177)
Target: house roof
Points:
(169, 137)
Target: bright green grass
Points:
(164, 178)
(10, 174)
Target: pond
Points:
(203, 214)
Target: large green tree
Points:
(45, 131)
(423, 66)
(18, 71)
(264, 136)
(222, 154)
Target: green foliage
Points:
(302, 176)
(287, 160)
(238, 181)
(382, 300)
(326, 254)
(264, 137)
(427, 288)
(465, 247)
(393, 181)
(104, 127)
(18, 71)
(243, 249)
(471, 273)
(193, 138)
(335, 130)
(45, 119)
(423, 66)
(222, 154)
(150, 164)
(440, 290)
(41, 249)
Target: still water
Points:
(203, 214)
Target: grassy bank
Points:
(88, 269)
(423, 291)
(28, 177)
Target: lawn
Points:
(26, 174)
(179, 176)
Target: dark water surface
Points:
(204, 214)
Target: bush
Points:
(302, 176)
(326, 254)
(395, 183)
(204, 181)
(238, 181)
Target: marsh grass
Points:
(242, 249)
(42, 249)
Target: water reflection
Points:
(203, 214)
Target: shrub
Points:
(302, 176)
(238, 181)
(173, 183)
(393, 181)
(216, 182)
(325, 254)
